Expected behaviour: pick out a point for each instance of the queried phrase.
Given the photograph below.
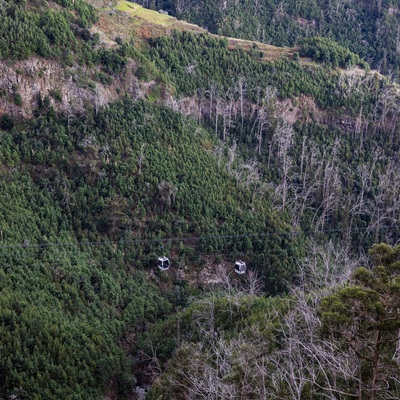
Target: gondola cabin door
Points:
(163, 263)
(240, 267)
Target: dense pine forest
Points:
(367, 28)
(272, 138)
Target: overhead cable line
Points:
(27, 245)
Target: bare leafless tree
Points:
(212, 92)
(253, 284)
(283, 139)
(141, 157)
(326, 266)
(167, 193)
(201, 92)
(241, 88)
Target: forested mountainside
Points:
(128, 135)
(368, 28)
(315, 344)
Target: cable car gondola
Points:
(240, 267)
(163, 263)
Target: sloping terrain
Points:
(368, 29)
(149, 24)
(128, 135)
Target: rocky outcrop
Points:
(26, 84)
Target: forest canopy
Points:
(161, 142)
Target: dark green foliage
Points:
(199, 65)
(364, 318)
(218, 317)
(61, 34)
(329, 52)
(6, 122)
(86, 12)
(289, 347)
(234, 329)
(213, 63)
(20, 36)
(177, 186)
(18, 99)
(27, 31)
(368, 29)
(97, 195)
(130, 171)
(114, 61)
(61, 312)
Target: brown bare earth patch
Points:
(125, 19)
(311, 23)
(112, 24)
(269, 52)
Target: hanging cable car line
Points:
(28, 245)
(164, 262)
(181, 258)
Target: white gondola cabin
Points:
(240, 267)
(163, 263)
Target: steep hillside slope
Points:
(368, 28)
(92, 205)
(127, 135)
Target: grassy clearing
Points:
(150, 16)
(127, 20)
(142, 23)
